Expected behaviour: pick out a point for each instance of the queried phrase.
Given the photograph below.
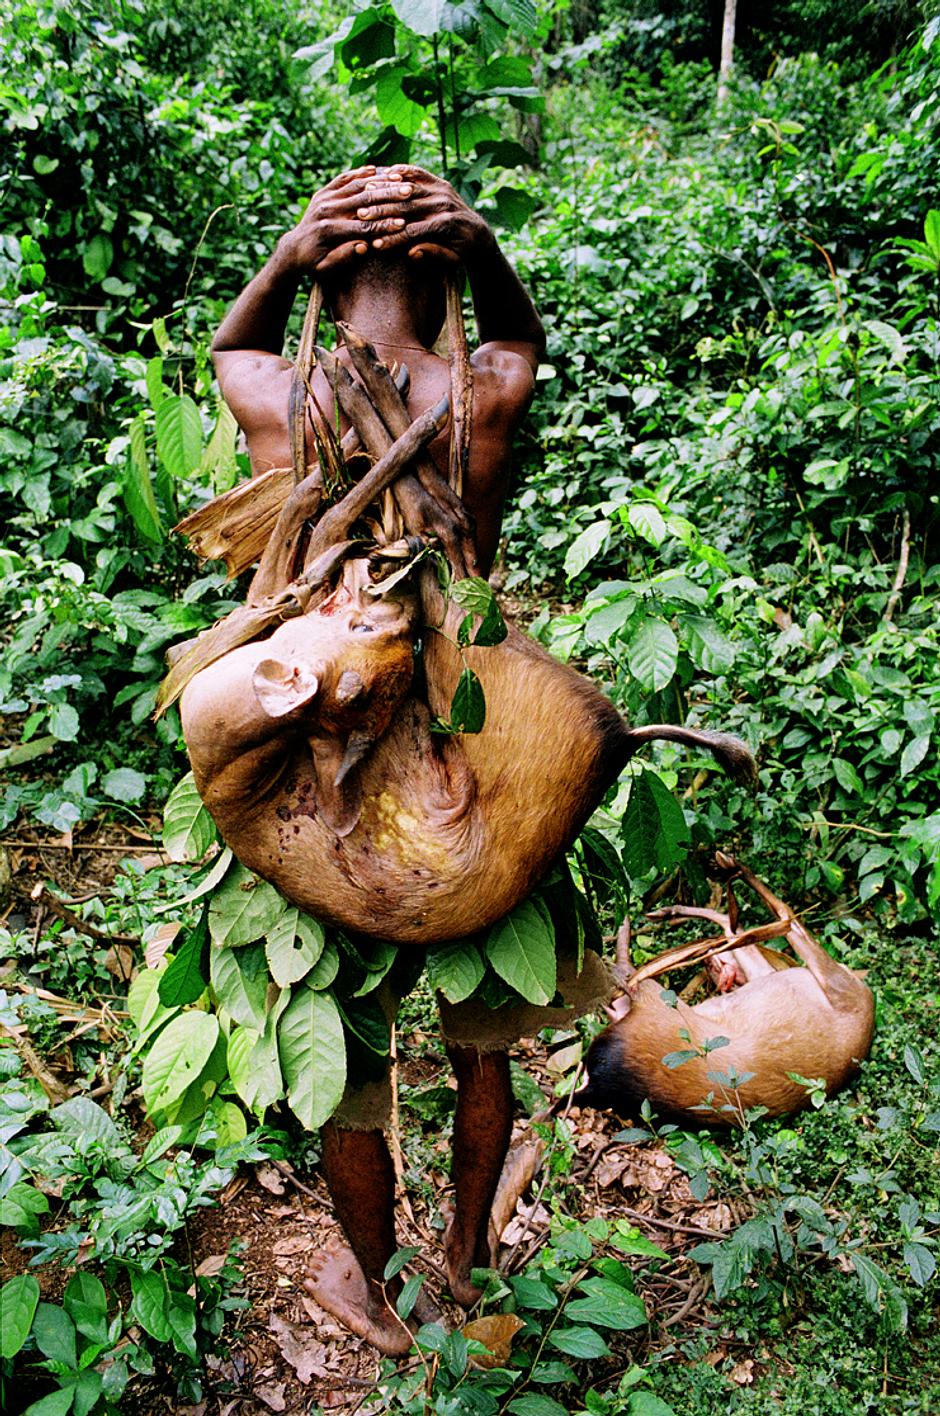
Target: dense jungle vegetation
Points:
(723, 508)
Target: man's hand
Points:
(433, 219)
(333, 230)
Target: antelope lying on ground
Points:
(783, 1021)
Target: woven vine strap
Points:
(301, 377)
(461, 383)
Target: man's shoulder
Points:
(504, 374)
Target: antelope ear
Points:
(618, 1009)
(281, 688)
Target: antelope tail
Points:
(729, 751)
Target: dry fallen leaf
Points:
(159, 941)
(293, 1244)
(270, 1178)
(210, 1266)
(496, 1333)
(272, 1394)
(743, 1373)
(300, 1348)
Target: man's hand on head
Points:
(331, 231)
(435, 220)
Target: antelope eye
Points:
(362, 628)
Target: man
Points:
(377, 240)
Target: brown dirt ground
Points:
(287, 1355)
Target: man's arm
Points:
(438, 221)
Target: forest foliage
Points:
(722, 508)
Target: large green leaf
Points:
(254, 1067)
(655, 833)
(239, 979)
(423, 16)
(608, 1304)
(150, 1300)
(395, 108)
(186, 977)
(219, 460)
(709, 649)
(18, 1299)
(177, 1057)
(313, 1056)
(455, 969)
(652, 654)
(82, 1117)
(54, 1332)
(468, 706)
(86, 1303)
(243, 908)
(585, 547)
(138, 486)
(293, 946)
(179, 435)
(521, 949)
(188, 829)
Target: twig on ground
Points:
(901, 575)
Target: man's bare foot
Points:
(460, 1258)
(338, 1284)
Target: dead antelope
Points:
(783, 1021)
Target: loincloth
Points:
(472, 1024)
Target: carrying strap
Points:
(461, 383)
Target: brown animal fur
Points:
(425, 838)
(815, 1021)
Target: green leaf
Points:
(157, 390)
(255, 1069)
(914, 753)
(532, 1293)
(521, 949)
(708, 648)
(150, 1303)
(243, 908)
(124, 784)
(312, 1050)
(57, 1403)
(97, 255)
(608, 1304)
(290, 962)
(520, 15)
(137, 488)
(86, 1303)
(422, 16)
(890, 337)
(63, 722)
(455, 969)
(647, 521)
(585, 547)
(652, 654)
(647, 1403)
(188, 829)
(655, 833)
(514, 207)
(80, 1116)
(847, 777)
(534, 1404)
(219, 461)
(395, 108)
(579, 1342)
(177, 1057)
(326, 968)
(475, 596)
(186, 977)
(468, 705)
(932, 231)
(239, 979)
(21, 1206)
(18, 1300)
(54, 1332)
(179, 435)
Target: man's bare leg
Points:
(349, 1282)
(482, 1130)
